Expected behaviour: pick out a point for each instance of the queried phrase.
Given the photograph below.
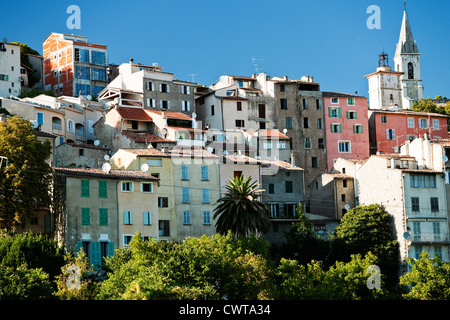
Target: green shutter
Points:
(348, 114)
(339, 112)
(85, 189)
(95, 258)
(103, 189)
(79, 246)
(332, 127)
(354, 128)
(356, 115)
(362, 129)
(85, 216)
(340, 128)
(289, 187)
(330, 112)
(103, 216)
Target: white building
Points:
(9, 70)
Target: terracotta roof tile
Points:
(148, 152)
(113, 174)
(138, 136)
(139, 114)
(269, 133)
(281, 164)
(170, 114)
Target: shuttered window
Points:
(85, 189)
(103, 189)
(85, 216)
(103, 216)
(147, 218)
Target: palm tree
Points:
(240, 211)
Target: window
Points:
(212, 110)
(206, 217)
(204, 172)
(383, 119)
(417, 252)
(305, 104)
(103, 216)
(56, 123)
(343, 197)
(319, 123)
(344, 183)
(435, 124)
(306, 122)
(282, 88)
(410, 70)
(271, 188)
(352, 115)
(163, 87)
(281, 145)
(79, 130)
(184, 172)
(127, 217)
(81, 152)
(237, 174)
(318, 104)
(422, 181)
(70, 126)
(127, 239)
(415, 204)
(334, 112)
(351, 101)
(185, 105)
(357, 128)
(164, 104)
(239, 105)
(40, 118)
(262, 111)
(98, 57)
(85, 216)
(288, 123)
(154, 162)
(147, 218)
(321, 143)
(267, 145)
(410, 122)
(205, 197)
(437, 231)
(164, 228)
(127, 186)
(390, 134)
(163, 202)
(103, 189)
(336, 128)
(134, 124)
(185, 195)
(283, 104)
(314, 162)
(146, 187)
(98, 74)
(344, 146)
(150, 86)
(334, 100)
(434, 202)
(438, 251)
(239, 123)
(186, 217)
(288, 186)
(82, 72)
(307, 143)
(85, 193)
(423, 123)
(416, 230)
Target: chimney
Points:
(292, 159)
(131, 60)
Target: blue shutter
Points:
(95, 258)
(204, 172)
(111, 248)
(184, 173)
(79, 246)
(40, 118)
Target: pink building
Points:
(389, 129)
(347, 126)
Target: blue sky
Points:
(327, 39)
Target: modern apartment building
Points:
(73, 66)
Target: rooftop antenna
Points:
(255, 64)
(193, 76)
(404, 4)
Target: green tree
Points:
(429, 278)
(364, 229)
(301, 242)
(426, 105)
(25, 182)
(240, 211)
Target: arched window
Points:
(410, 70)
(79, 130)
(56, 123)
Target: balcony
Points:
(430, 238)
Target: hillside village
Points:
(137, 150)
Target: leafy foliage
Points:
(429, 278)
(24, 184)
(240, 211)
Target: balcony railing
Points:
(430, 238)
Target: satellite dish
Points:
(144, 167)
(225, 152)
(106, 157)
(444, 158)
(209, 149)
(320, 231)
(284, 130)
(406, 235)
(89, 97)
(194, 115)
(347, 207)
(106, 167)
(96, 142)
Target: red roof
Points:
(270, 133)
(134, 114)
(172, 115)
(140, 136)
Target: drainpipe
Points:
(118, 214)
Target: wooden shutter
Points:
(85, 216)
(110, 249)
(103, 189)
(167, 228)
(95, 258)
(79, 246)
(85, 188)
(103, 216)
(339, 112)
(330, 112)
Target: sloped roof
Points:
(139, 136)
(138, 114)
(170, 114)
(113, 174)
